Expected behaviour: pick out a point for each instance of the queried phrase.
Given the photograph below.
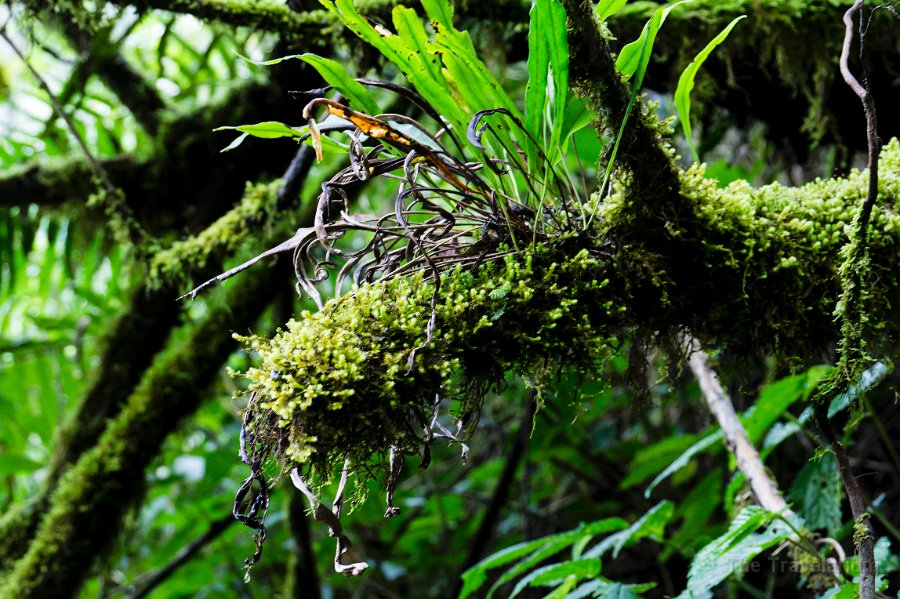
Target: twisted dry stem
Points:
(332, 518)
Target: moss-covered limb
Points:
(191, 258)
(335, 380)
(307, 19)
(86, 507)
(140, 331)
(188, 183)
(594, 77)
(54, 182)
(759, 268)
(750, 269)
(779, 66)
(268, 15)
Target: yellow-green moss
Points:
(334, 383)
(758, 269)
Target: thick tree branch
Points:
(183, 186)
(270, 16)
(95, 493)
(306, 18)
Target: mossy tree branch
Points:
(340, 391)
(95, 493)
(595, 78)
(306, 18)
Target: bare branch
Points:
(147, 582)
(851, 310)
(764, 489)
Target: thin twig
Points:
(114, 198)
(764, 489)
(96, 167)
(851, 314)
(868, 102)
(864, 532)
(145, 583)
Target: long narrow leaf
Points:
(686, 83)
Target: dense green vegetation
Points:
(471, 269)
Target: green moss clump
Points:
(758, 269)
(334, 383)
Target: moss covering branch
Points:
(305, 18)
(751, 269)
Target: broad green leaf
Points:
(411, 30)
(695, 510)
(237, 141)
(605, 589)
(439, 11)
(335, 74)
(411, 64)
(556, 543)
(538, 64)
(16, 464)
(267, 63)
(476, 576)
(265, 130)
(709, 440)
(656, 458)
(817, 490)
(652, 525)
(728, 553)
(562, 591)
(777, 397)
(559, 63)
(577, 117)
(686, 83)
(555, 574)
(607, 8)
(848, 590)
(634, 57)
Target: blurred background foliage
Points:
(595, 446)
